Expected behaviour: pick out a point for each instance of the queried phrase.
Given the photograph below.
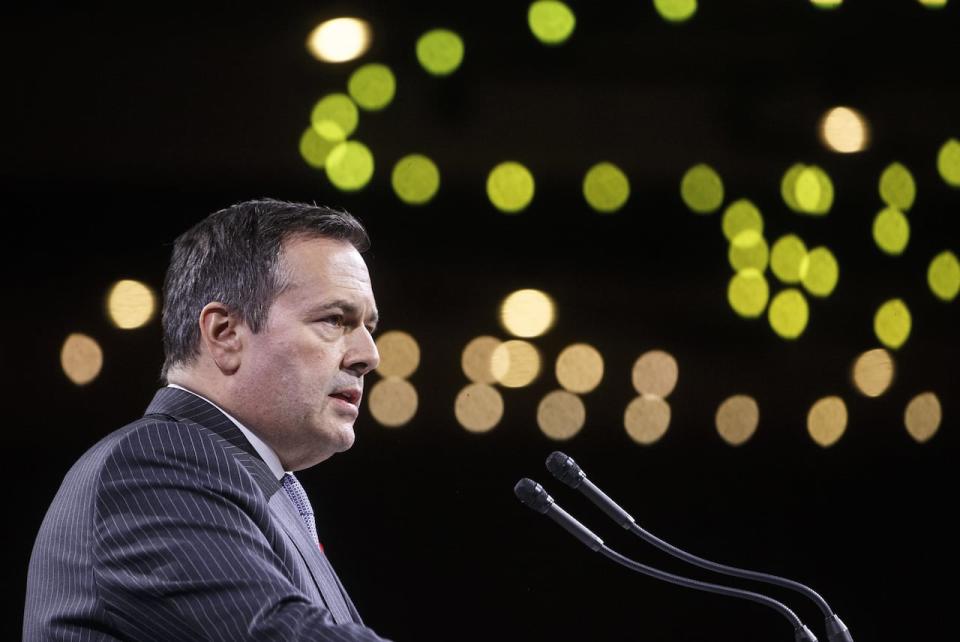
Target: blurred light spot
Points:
(819, 271)
(933, 4)
(891, 231)
(788, 186)
(948, 162)
(748, 293)
(646, 419)
(827, 420)
(515, 363)
(789, 313)
(440, 51)
(943, 276)
(892, 323)
(399, 354)
(372, 86)
(813, 191)
(748, 250)
(844, 130)
(826, 4)
(393, 402)
(339, 40)
(81, 359)
(527, 313)
(350, 165)
(655, 374)
(478, 407)
(741, 215)
(415, 179)
(314, 148)
(510, 187)
(676, 10)
(551, 22)
(701, 189)
(561, 415)
(606, 188)
(897, 188)
(130, 304)
(476, 359)
(873, 372)
(579, 368)
(786, 257)
(737, 419)
(335, 117)
(923, 416)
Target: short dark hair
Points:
(234, 256)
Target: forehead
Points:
(325, 268)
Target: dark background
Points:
(125, 124)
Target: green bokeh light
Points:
(748, 250)
(550, 21)
(788, 186)
(819, 272)
(335, 117)
(826, 4)
(933, 4)
(813, 191)
(675, 10)
(897, 187)
(701, 189)
(415, 179)
(891, 231)
(372, 86)
(606, 187)
(943, 276)
(948, 162)
(440, 51)
(747, 293)
(892, 323)
(739, 216)
(789, 313)
(350, 165)
(314, 149)
(510, 187)
(786, 257)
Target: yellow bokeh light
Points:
(561, 415)
(948, 162)
(606, 188)
(923, 416)
(314, 148)
(515, 363)
(81, 358)
(844, 130)
(813, 191)
(415, 179)
(892, 323)
(372, 86)
(701, 189)
(478, 407)
(786, 258)
(675, 10)
(789, 313)
(748, 250)
(748, 293)
(873, 372)
(476, 359)
(510, 187)
(897, 187)
(339, 40)
(399, 354)
(440, 51)
(740, 216)
(933, 4)
(527, 313)
(350, 165)
(826, 4)
(335, 117)
(579, 368)
(737, 419)
(788, 186)
(130, 304)
(552, 22)
(827, 420)
(646, 419)
(891, 231)
(655, 374)
(819, 272)
(393, 402)
(943, 276)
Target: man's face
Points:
(301, 376)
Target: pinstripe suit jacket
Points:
(173, 528)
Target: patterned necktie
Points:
(298, 496)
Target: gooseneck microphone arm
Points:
(534, 496)
(566, 470)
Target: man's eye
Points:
(334, 320)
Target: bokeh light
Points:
(606, 187)
(675, 10)
(789, 313)
(813, 191)
(130, 304)
(788, 186)
(561, 415)
(826, 4)
(515, 363)
(897, 187)
(550, 21)
(740, 216)
(819, 271)
(948, 162)
(655, 374)
(510, 187)
(844, 130)
(873, 372)
(314, 148)
(646, 419)
(415, 179)
(748, 293)
(393, 402)
(478, 407)
(933, 4)
(339, 40)
(527, 313)
(579, 368)
(892, 323)
(477, 357)
(372, 86)
(701, 189)
(737, 419)
(943, 276)
(440, 51)
(748, 250)
(335, 117)
(891, 231)
(827, 420)
(786, 258)
(399, 354)
(350, 166)
(81, 358)
(923, 416)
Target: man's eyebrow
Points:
(348, 308)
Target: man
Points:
(188, 523)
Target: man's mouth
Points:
(350, 395)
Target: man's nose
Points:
(362, 355)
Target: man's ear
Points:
(221, 336)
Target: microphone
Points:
(566, 470)
(533, 495)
